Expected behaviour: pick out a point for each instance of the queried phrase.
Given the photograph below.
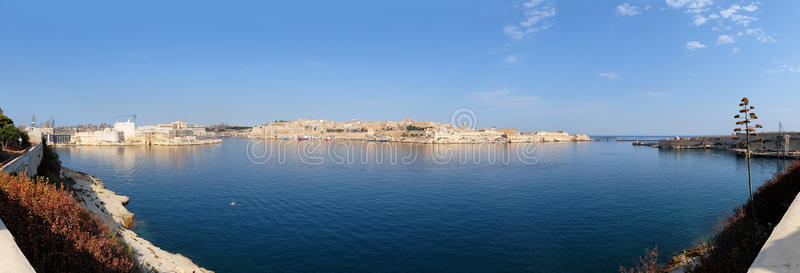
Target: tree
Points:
(10, 135)
(743, 120)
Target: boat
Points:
(383, 140)
(327, 139)
(371, 139)
(302, 138)
(285, 138)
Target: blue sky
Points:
(597, 67)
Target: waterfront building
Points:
(85, 138)
(58, 139)
(127, 128)
(35, 134)
(108, 135)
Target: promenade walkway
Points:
(781, 252)
(11, 258)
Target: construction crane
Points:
(128, 116)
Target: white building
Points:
(35, 134)
(128, 129)
(109, 135)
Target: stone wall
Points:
(28, 161)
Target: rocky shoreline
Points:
(110, 207)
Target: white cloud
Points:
(750, 8)
(729, 18)
(699, 20)
(733, 14)
(735, 50)
(511, 59)
(536, 15)
(608, 75)
(691, 6)
(628, 9)
(759, 34)
(692, 45)
(725, 39)
(785, 68)
(503, 97)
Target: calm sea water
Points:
(384, 207)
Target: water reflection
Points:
(378, 153)
(124, 158)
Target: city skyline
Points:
(674, 67)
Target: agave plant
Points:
(743, 124)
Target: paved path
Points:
(781, 252)
(11, 258)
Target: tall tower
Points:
(33, 121)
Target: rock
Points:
(110, 207)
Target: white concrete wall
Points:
(781, 252)
(29, 161)
(11, 258)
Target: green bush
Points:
(50, 167)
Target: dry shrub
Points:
(740, 236)
(55, 233)
(647, 264)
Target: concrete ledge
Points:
(11, 258)
(781, 252)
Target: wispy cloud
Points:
(512, 59)
(759, 35)
(691, 6)
(725, 39)
(785, 68)
(536, 17)
(608, 75)
(735, 16)
(693, 45)
(503, 97)
(736, 19)
(628, 9)
(700, 19)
